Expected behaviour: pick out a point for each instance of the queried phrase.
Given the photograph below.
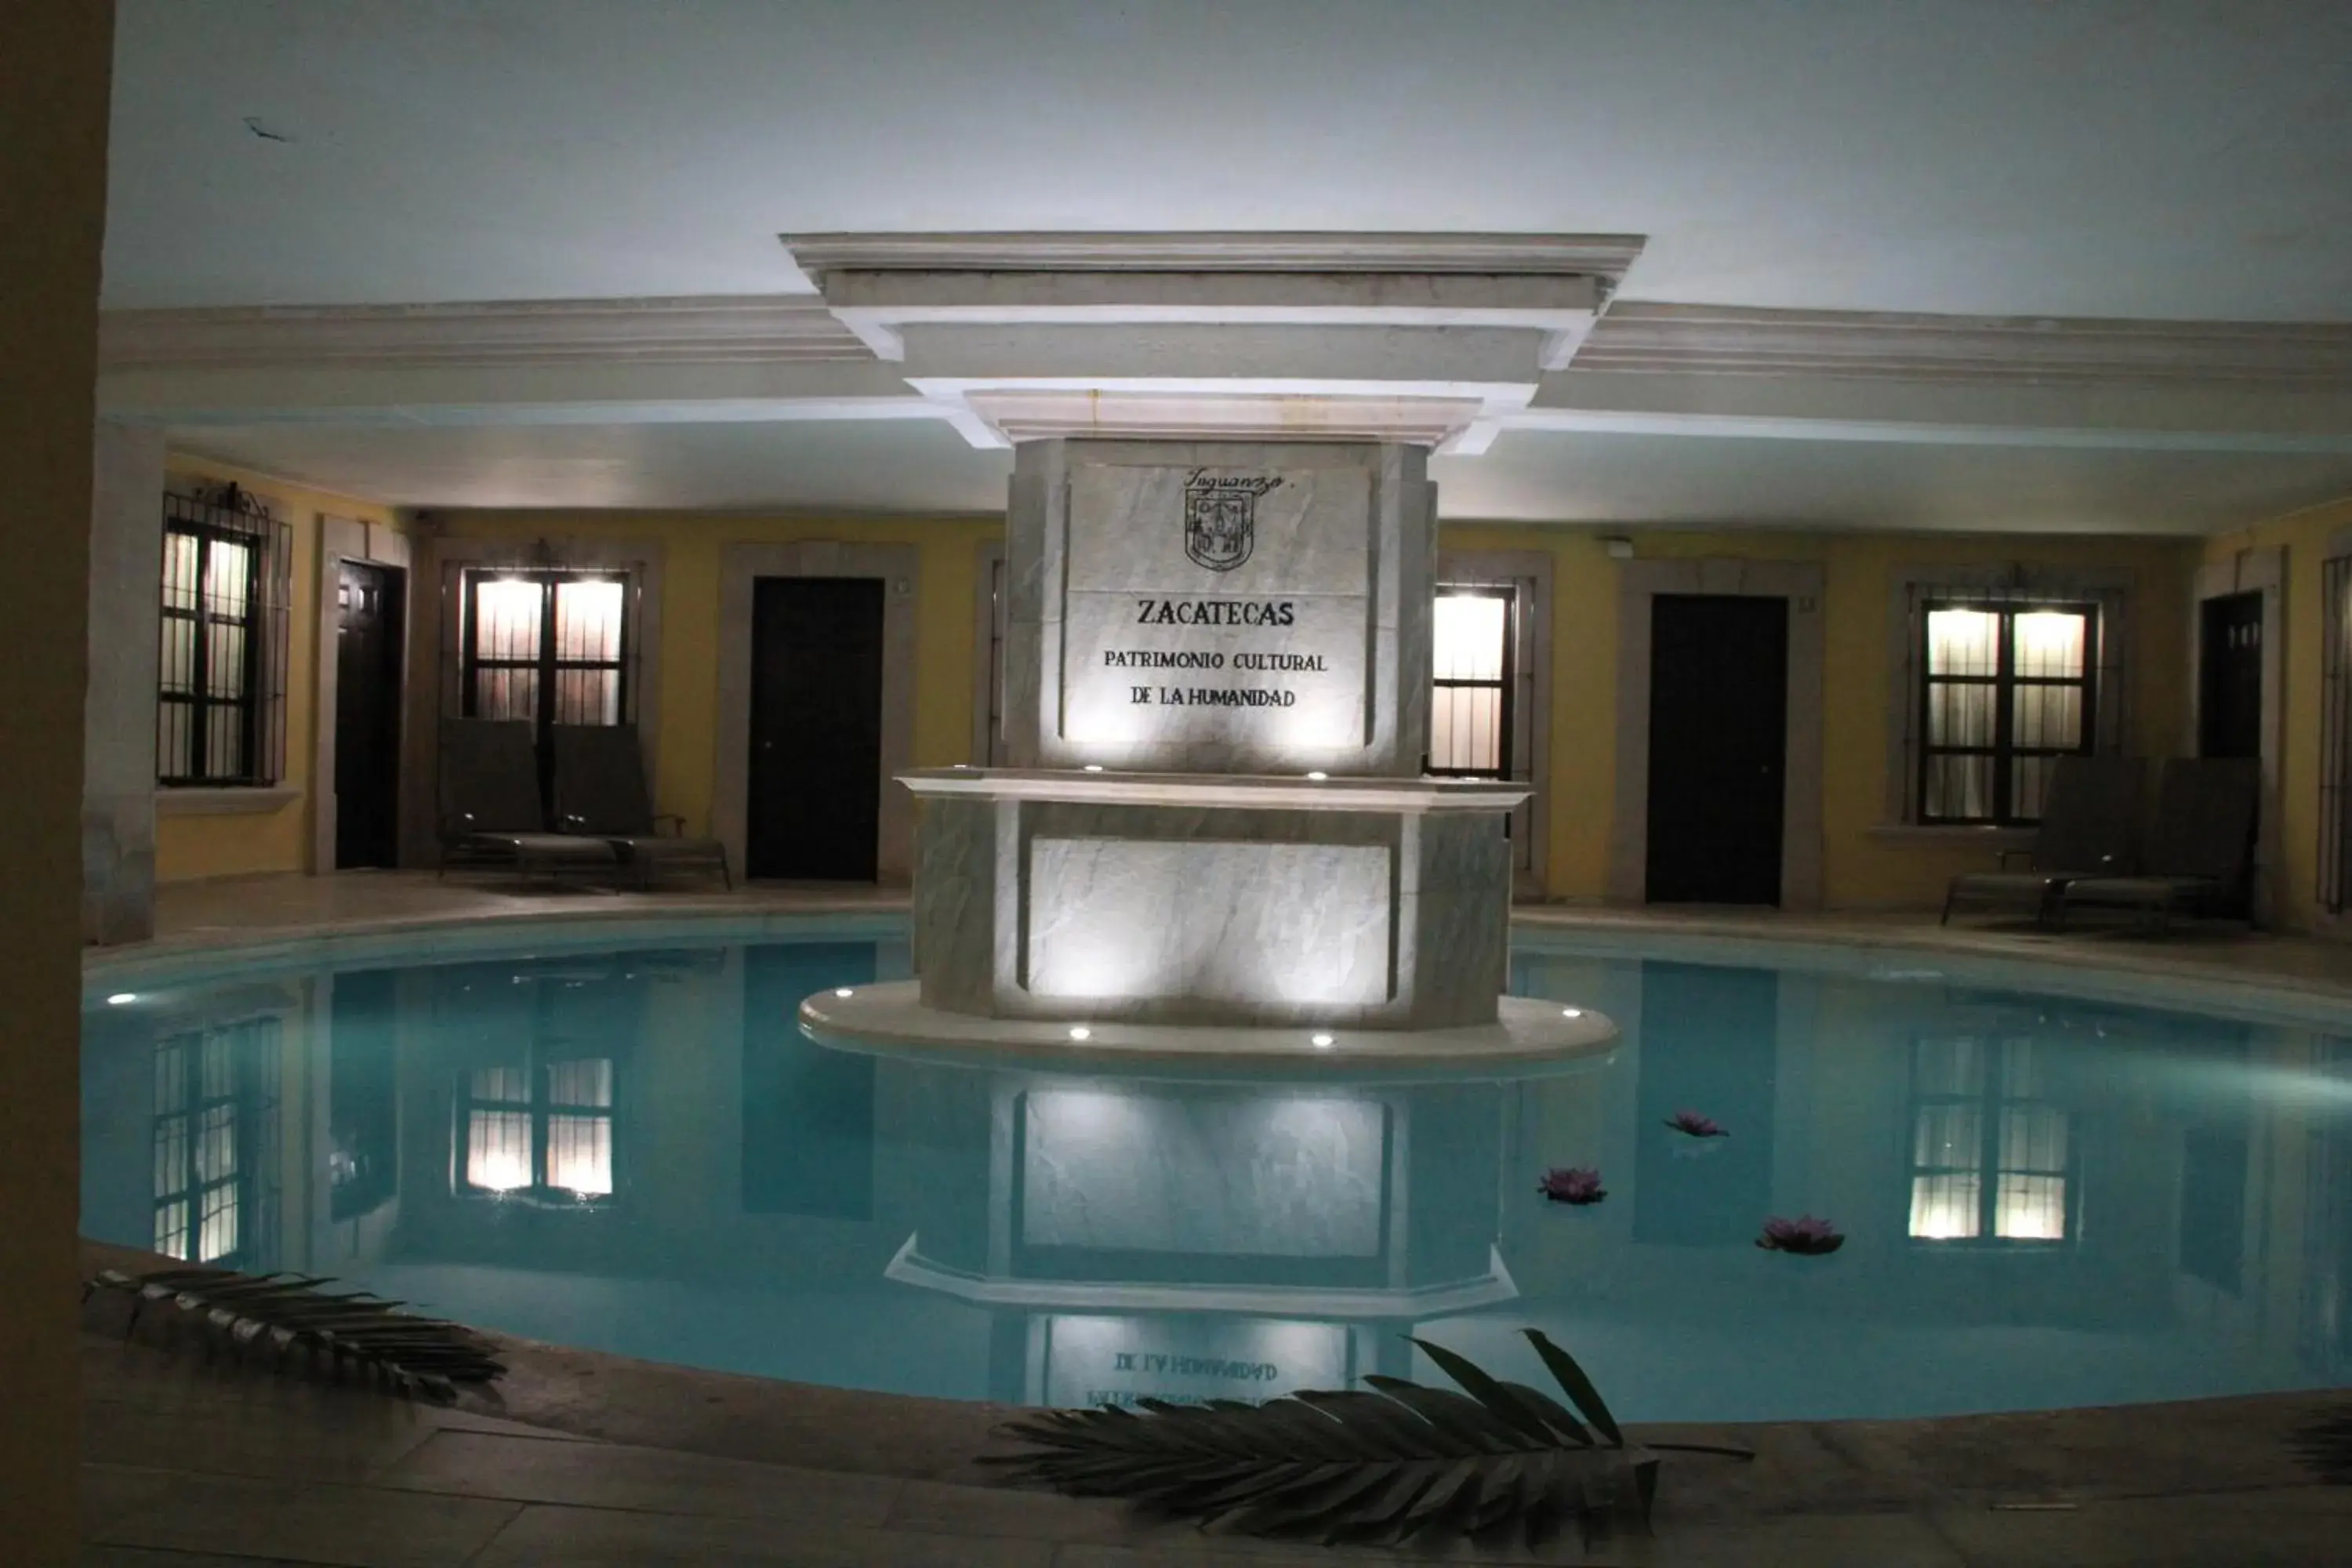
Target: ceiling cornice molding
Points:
(1417, 286)
(713, 330)
(1718, 340)
(1036, 415)
(1602, 256)
(1429, 416)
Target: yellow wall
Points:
(280, 840)
(690, 654)
(2305, 536)
(1583, 774)
(1859, 870)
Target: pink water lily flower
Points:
(1805, 1235)
(1696, 1125)
(1578, 1185)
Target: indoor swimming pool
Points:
(617, 1139)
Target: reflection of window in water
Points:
(541, 1131)
(214, 1122)
(1989, 1149)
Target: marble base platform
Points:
(1527, 1036)
(1249, 902)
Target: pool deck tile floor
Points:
(193, 1462)
(592, 1459)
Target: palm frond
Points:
(1495, 1461)
(417, 1356)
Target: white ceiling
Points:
(1619, 480)
(2152, 158)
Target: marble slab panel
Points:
(1326, 544)
(1117, 923)
(1302, 529)
(1091, 908)
(1284, 689)
(1461, 919)
(955, 883)
(1299, 1176)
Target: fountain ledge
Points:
(1248, 791)
(891, 1019)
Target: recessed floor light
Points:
(844, 991)
(1094, 767)
(1320, 1042)
(1319, 776)
(1081, 1033)
(1571, 1011)
(119, 997)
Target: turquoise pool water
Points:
(622, 1142)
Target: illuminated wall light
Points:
(1081, 1033)
(1319, 775)
(1094, 767)
(121, 997)
(1320, 1042)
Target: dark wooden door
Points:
(814, 803)
(367, 714)
(1718, 747)
(2230, 678)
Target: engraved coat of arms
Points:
(1220, 516)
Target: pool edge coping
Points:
(2178, 972)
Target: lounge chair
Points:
(490, 810)
(600, 791)
(2088, 822)
(2200, 851)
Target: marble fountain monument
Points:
(1215, 842)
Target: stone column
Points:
(117, 798)
(53, 122)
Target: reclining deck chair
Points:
(2199, 850)
(490, 811)
(600, 791)
(2088, 824)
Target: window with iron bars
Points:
(546, 647)
(1473, 651)
(2005, 690)
(220, 705)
